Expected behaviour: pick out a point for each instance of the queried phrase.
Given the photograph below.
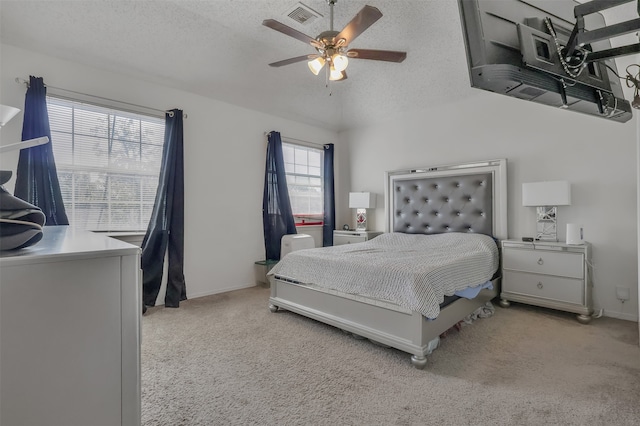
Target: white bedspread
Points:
(414, 271)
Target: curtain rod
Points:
(301, 142)
(26, 83)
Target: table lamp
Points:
(546, 196)
(361, 201)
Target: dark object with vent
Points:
(513, 49)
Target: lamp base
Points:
(546, 223)
(361, 219)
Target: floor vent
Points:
(302, 14)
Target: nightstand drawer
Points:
(544, 262)
(348, 239)
(546, 287)
(352, 237)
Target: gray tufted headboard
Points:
(458, 198)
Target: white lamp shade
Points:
(552, 193)
(362, 200)
(339, 62)
(316, 65)
(7, 113)
(335, 75)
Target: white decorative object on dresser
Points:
(70, 311)
(351, 237)
(548, 274)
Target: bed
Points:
(439, 208)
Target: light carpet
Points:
(227, 360)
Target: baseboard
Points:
(621, 315)
(218, 291)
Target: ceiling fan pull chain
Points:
(327, 83)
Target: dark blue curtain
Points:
(165, 232)
(277, 217)
(329, 218)
(36, 175)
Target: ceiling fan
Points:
(332, 45)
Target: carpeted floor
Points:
(227, 360)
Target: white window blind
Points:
(108, 164)
(303, 167)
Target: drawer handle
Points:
(540, 261)
(540, 285)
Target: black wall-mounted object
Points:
(513, 49)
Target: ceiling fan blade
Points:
(377, 55)
(275, 25)
(292, 60)
(363, 20)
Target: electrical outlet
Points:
(622, 293)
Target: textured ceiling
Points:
(218, 48)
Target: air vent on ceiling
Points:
(302, 14)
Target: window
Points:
(108, 164)
(303, 167)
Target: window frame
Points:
(143, 205)
(306, 219)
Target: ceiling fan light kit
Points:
(332, 46)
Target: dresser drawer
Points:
(546, 287)
(348, 239)
(544, 262)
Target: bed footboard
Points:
(405, 330)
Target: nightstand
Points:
(350, 237)
(549, 274)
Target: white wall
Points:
(224, 165)
(224, 162)
(540, 143)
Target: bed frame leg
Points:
(583, 319)
(418, 361)
(273, 308)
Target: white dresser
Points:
(548, 274)
(70, 310)
(350, 237)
